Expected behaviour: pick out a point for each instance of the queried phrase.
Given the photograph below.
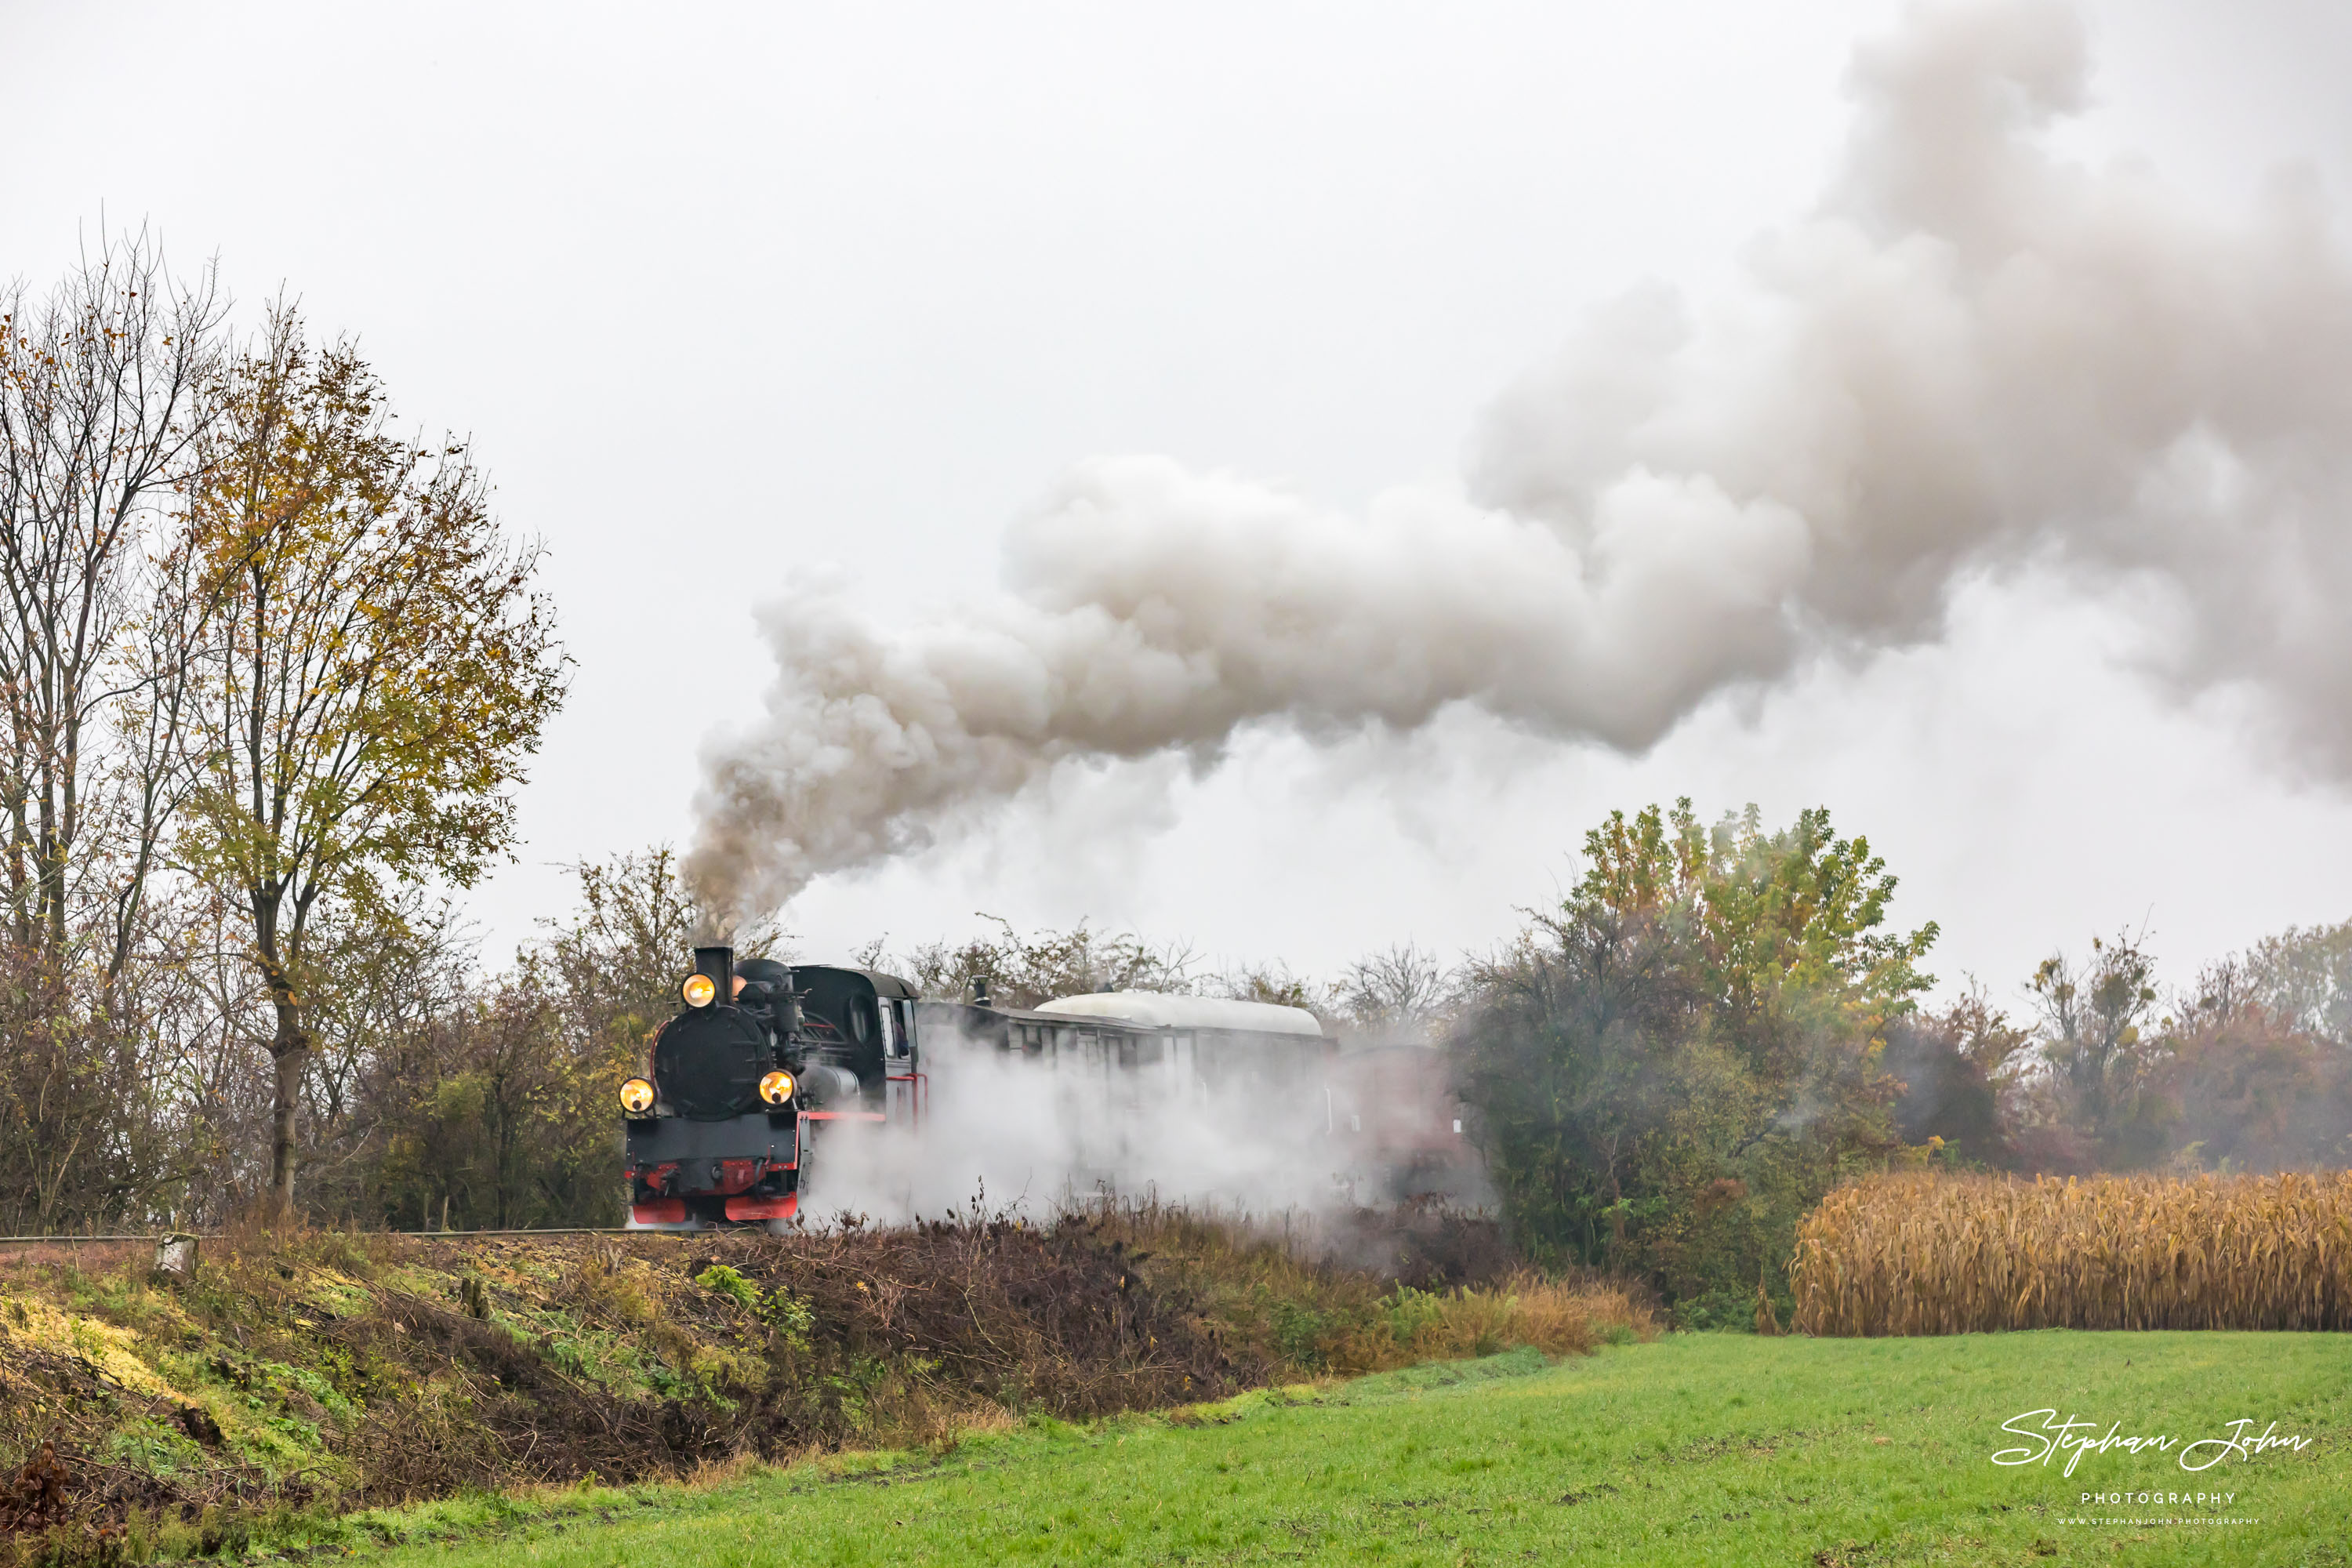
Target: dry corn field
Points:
(1944, 1254)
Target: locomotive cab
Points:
(721, 1130)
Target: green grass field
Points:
(1695, 1449)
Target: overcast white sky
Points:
(722, 292)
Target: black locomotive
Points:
(744, 1079)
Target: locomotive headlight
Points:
(777, 1088)
(636, 1097)
(697, 990)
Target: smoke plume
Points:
(1973, 354)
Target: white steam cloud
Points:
(1035, 1133)
(1972, 353)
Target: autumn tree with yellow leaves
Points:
(372, 669)
(1673, 1065)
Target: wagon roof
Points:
(1159, 1010)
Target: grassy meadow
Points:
(1706, 1449)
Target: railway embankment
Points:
(279, 1377)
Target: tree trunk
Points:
(288, 1049)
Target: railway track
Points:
(215, 1236)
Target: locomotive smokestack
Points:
(980, 992)
(719, 964)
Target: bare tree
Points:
(1022, 971)
(1400, 991)
(104, 402)
(106, 387)
(1274, 982)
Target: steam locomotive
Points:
(744, 1078)
(747, 1077)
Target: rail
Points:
(215, 1236)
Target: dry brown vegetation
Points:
(327, 1371)
(1371, 1290)
(1940, 1255)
